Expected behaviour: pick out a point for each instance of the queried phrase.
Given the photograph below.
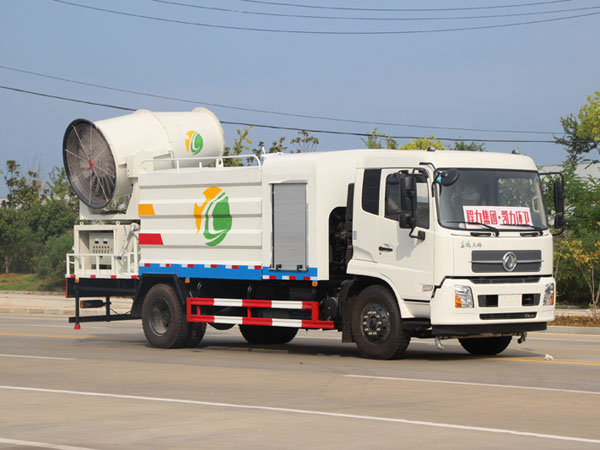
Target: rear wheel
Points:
(485, 346)
(257, 334)
(376, 324)
(163, 318)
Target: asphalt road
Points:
(102, 388)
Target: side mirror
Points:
(408, 201)
(559, 197)
(449, 177)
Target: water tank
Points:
(96, 154)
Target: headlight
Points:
(549, 295)
(463, 297)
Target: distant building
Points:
(582, 170)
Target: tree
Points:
(589, 117)
(376, 139)
(240, 144)
(423, 144)
(471, 147)
(576, 146)
(304, 142)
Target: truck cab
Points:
(462, 241)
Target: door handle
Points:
(385, 248)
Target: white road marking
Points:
(589, 341)
(70, 326)
(309, 412)
(41, 444)
(6, 355)
(466, 383)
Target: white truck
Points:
(380, 245)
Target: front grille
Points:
(505, 316)
(485, 261)
(503, 280)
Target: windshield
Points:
(503, 199)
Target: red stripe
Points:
(256, 303)
(147, 265)
(306, 278)
(190, 265)
(257, 321)
(93, 276)
(201, 301)
(167, 265)
(235, 267)
(73, 276)
(272, 277)
(292, 277)
(113, 276)
(257, 267)
(134, 277)
(150, 239)
(326, 324)
(213, 266)
(201, 318)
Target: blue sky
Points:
(514, 78)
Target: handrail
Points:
(199, 159)
(77, 261)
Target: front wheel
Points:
(163, 318)
(376, 324)
(485, 346)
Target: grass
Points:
(28, 282)
(576, 321)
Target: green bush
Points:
(50, 264)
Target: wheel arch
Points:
(360, 283)
(147, 281)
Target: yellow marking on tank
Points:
(209, 194)
(189, 135)
(146, 209)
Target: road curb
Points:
(573, 330)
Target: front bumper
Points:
(496, 302)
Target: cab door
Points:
(388, 251)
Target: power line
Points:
(301, 16)
(339, 8)
(277, 127)
(263, 111)
(329, 33)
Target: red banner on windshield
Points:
(498, 215)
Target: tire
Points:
(485, 346)
(195, 334)
(163, 318)
(376, 324)
(221, 326)
(257, 334)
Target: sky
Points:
(516, 78)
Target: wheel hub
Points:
(160, 317)
(375, 322)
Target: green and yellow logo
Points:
(213, 218)
(194, 142)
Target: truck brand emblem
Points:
(213, 218)
(509, 261)
(194, 142)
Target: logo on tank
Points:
(194, 142)
(213, 218)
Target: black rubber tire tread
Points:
(195, 334)
(257, 334)
(486, 346)
(222, 326)
(396, 342)
(178, 329)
